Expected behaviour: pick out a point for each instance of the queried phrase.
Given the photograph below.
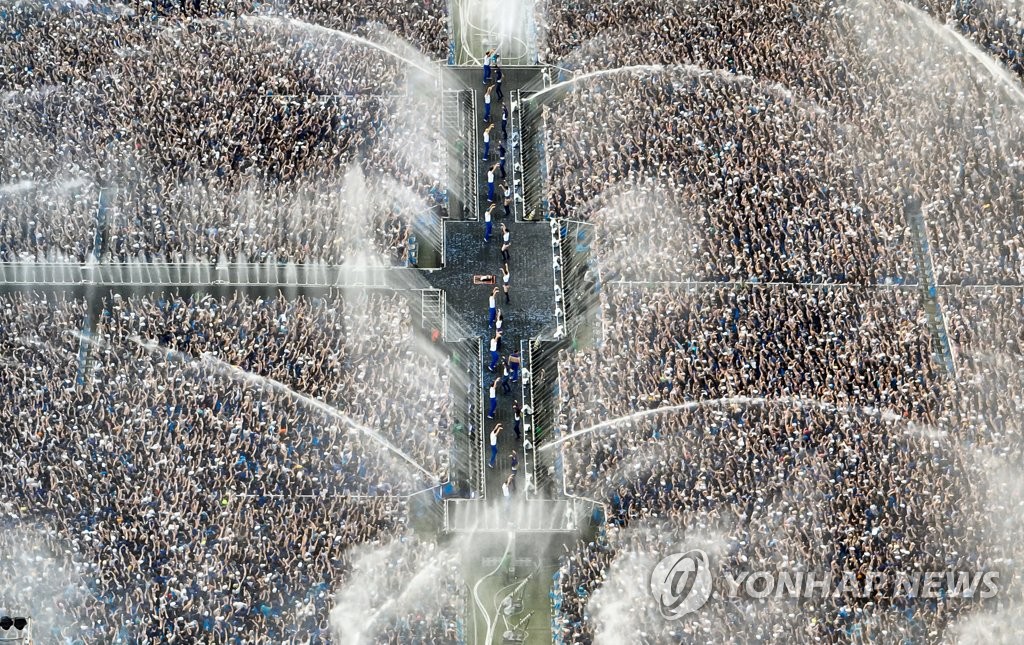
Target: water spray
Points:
(885, 415)
(235, 372)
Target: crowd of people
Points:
(198, 468)
(171, 136)
(792, 428)
(191, 468)
(785, 142)
(784, 426)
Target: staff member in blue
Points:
(497, 83)
(506, 387)
(504, 121)
(517, 417)
(501, 158)
(514, 361)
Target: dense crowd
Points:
(189, 137)
(986, 331)
(790, 427)
(785, 142)
(198, 467)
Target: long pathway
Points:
(530, 311)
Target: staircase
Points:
(432, 305)
(458, 121)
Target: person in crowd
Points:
(492, 307)
(487, 115)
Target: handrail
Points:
(529, 437)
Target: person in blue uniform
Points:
(495, 355)
(494, 398)
(487, 142)
(494, 444)
(514, 361)
(487, 65)
(487, 103)
(488, 224)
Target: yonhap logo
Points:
(681, 583)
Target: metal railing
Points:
(532, 162)
(471, 158)
(558, 273)
(526, 411)
(542, 359)
(578, 274)
(530, 516)
(198, 273)
(543, 150)
(467, 405)
(519, 184)
(481, 423)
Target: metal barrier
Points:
(579, 281)
(543, 148)
(472, 183)
(458, 122)
(200, 273)
(525, 381)
(519, 183)
(531, 158)
(465, 383)
(529, 516)
(558, 275)
(542, 417)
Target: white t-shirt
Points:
(494, 437)
(490, 176)
(487, 136)
(487, 99)
(491, 303)
(494, 348)
(505, 490)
